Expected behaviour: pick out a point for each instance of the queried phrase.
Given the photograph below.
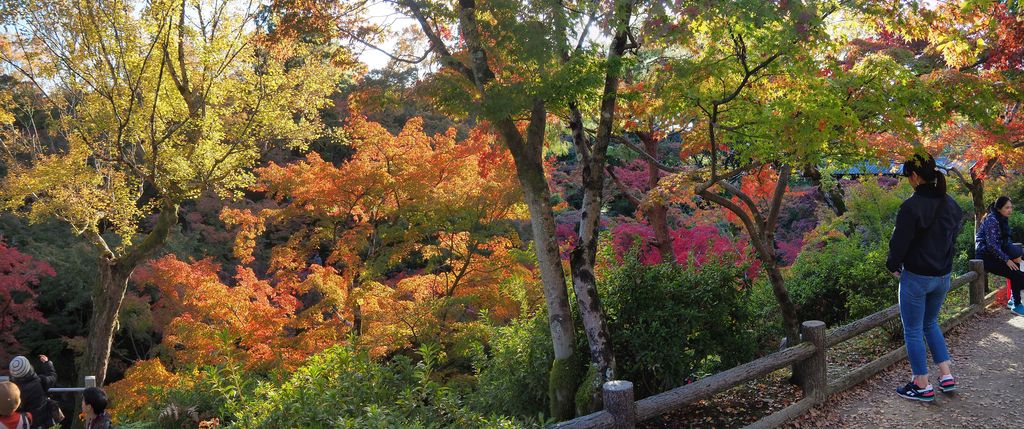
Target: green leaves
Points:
(150, 101)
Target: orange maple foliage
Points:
(418, 243)
(400, 196)
(978, 145)
(259, 324)
(141, 385)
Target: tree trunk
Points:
(833, 198)
(584, 256)
(564, 376)
(762, 236)
(977, 189)
(107, 297)
(581, 264)
(790, 319)
(656, 211)
(585, 285)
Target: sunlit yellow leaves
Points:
(68, 188)
(6, 103)
(146, 101)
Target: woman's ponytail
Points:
(924, 165)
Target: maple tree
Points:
(181, 106)
(765, 109)
(993, 137)
(256, 324)
(969, 54)
(19, 273)
(396, 264)
(444, 202)
(511, 67)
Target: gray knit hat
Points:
(20, 368)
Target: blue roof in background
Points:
(895, 169)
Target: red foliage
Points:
(1007, 50)
(634, 175)
(18, 274)
(690, 246)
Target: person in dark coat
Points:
(33, 389)
(992, 245)
(921, 256)
(94, 405)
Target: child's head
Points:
(10, 398)
(95, 400)
(21, 368)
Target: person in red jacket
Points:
(10, 400)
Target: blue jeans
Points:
(921, 299)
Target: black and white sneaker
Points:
(912, 392)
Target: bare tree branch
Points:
(436, 44)
(647, 156)
(633, 199)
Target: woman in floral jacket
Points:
(1001, 257)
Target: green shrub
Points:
(340, 388)
(671, 323)
(512, 372)
(841, 281)
(202, 394)
(763, 307)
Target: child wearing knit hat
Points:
(21, 368)
(33, 387)
(10, 399)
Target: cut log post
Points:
(618, 400)
(814, 369)
(980, 283)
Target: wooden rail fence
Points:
(808, 357)
(87, 381)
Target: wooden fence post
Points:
(814, 380)
(980, 284)
(90, 381)
(618, 400)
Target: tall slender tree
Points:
(510, 64)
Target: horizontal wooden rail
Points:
(653, 406)
(664, 402)
(784, 415)
(846, 332)
(621, 412)
(599, 420)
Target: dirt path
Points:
(988, 360)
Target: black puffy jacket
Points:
(33, 395)
(926, 229)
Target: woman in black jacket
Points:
(921, 256)
(33, 389)
(1002, 258)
